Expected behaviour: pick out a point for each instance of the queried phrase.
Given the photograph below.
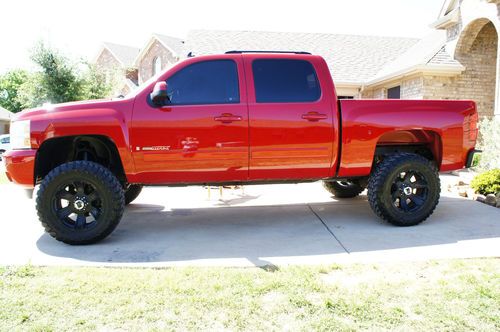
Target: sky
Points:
(77, 28)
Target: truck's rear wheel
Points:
(132, 192)
(404, 189)
(80, 202)
(343, 189)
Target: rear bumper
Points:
(20, 167)
(470, 157)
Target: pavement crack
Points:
(327, 228)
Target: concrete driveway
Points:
(268, 224)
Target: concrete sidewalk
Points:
(266, 224)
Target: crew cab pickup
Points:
(235, 118)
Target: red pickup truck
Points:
(236, 118)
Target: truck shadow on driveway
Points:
(264, 234)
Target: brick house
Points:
(4, 121)
(465, 67)
(458, 60)
(160, 52)
(119, 60)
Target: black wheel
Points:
(132, 192)
(80, 202)
(343, 189)
(1, 154)
(404, 189)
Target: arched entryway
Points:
(477, 50)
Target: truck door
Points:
(201, 135)
(291, 117)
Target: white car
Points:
(4, 144)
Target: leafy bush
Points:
(487, 182)
(490, 143)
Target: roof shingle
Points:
(123, 53)
(351, 58)
(176, 44)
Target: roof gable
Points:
(122, 53)
(173, 44)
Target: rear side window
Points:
(208, 82)
(282, 81)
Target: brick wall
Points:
(379, 93)
(115, 71)
(479, 57)
(146, 64)
(477, 82)
(413, 88)
(107, 61)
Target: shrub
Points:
(490, 143)
(487, 182)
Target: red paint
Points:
(252, 141)
(19, 167)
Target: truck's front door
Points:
(292, 122)
(201, 135)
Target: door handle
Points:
(314, 116)
(228, 118)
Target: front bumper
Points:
(470, 157)
(20, 167)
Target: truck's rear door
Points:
(291, 118)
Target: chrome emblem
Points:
(155, 148)
(408, 191)
(79, 204)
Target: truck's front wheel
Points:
(132, 192)
(80, 202)
(404, 189)
(344, 189)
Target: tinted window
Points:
(6, 140)
(285, 81)
(209, 82)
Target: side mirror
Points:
(159, 96)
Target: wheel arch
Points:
(426, 143)
(56, 151)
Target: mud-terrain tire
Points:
(75, 192)
(404, 189)
(132, 192)
(343, 189)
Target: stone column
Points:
(497, 89)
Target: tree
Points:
(98, 83)
(10, 83)
(58, 80)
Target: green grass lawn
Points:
(458, 295)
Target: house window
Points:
(156, 65)
(394, 93)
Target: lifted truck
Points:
(236, 118)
